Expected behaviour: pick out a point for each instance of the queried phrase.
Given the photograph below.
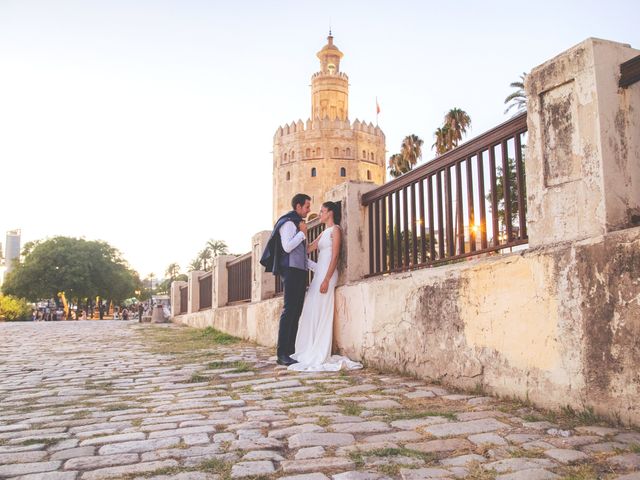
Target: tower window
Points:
(368, 174)
(293, 154)
(285, 157)
(364, 154)
(343, 172)
(372, 157)
(288, 176)
(308, 152)
(318, 152)
(313, 172)
(336, 152)
(348, 152)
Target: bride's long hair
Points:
(335, 208)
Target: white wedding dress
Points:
(315, 330)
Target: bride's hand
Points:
(324, 286)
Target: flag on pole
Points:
(377, 106)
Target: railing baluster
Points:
(423, 228)
(432, 238)
(470, 210)
(392, 260)
(370, 209)
(398, 229)
(441, 226)
(377, 234)
(481, 202)
(506, 189)
(449, 212)
(383, 233)
(405, 220)
(522, 189)
(459, 220)
(494, 195)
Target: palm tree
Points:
(196, 264)
(205, 255)
(396, 165)
(411, 150)
(172, 271)
(443, 141)
(517, 99)
(217, 247)
(458, 122)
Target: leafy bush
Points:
(14, 309)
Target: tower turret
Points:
(329, 86)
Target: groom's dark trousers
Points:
(294, 281)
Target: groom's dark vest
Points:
(274, 258)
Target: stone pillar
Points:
(220, 281)
(583, 149)
(175, 297)
(354, 255)
(194, 291)
(263, 284)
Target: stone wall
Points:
(557, 325)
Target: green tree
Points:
(205, 257)
(14, 309)
(172, 271)
(195, 265)
(518, 98)
(396, 165)
(513, 193)
(82, 269)
(217, 247)
(410, 153)
(455, 126)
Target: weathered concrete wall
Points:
(256, 322)
(559, 325)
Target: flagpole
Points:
(377, 110)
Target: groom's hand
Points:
(303, 227)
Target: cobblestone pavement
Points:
(94, 400)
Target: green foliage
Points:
(456, 123)
(80, 268)
(513, 192)
(410, 153)
(518, 98)
(14, 309)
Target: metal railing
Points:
(239, 278)
(468, 201)
(206, 290)
(184, 299)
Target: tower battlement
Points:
(325, 123)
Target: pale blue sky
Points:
(149, 124)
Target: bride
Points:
(315, 331)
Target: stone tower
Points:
(312, 157)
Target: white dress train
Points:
(315, 329)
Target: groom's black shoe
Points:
(285, 360)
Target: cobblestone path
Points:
(94, 400)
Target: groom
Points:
(286, 255)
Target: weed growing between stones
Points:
(412, 415)
(235, 367)
(351, 408)
(37, 441)
(323, 422)
(634, 447)
(522, 453)
(476, 472)
(117, 406)
(580, 472)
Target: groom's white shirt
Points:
(291, 239)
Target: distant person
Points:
(125, 314)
